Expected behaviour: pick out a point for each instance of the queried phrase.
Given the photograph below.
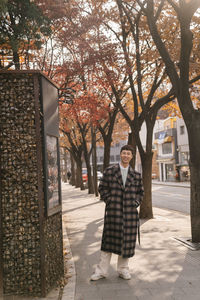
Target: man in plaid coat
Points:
(122, 191)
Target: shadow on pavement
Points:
(161, 268)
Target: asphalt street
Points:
(171, 197)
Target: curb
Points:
(69, 289)
(171, 184)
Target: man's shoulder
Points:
(112, 168)
(135, 173)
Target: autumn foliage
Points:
(119, 72)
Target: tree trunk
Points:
(94, 161)
(79, 180)
(16, 60)
(88, 166)
(87, 162)
(65, 166)
(194, 146)
(146, 211)
(106, 156)
(195, 202)
(90, 181)
(72, 179)
(131, 141)
(107, 138)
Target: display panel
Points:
(52, 172)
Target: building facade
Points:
(171, 142)
(170, 147)
(183, 151)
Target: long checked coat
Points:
(121, 218)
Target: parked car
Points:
(84, 175)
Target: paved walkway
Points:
(162, 268)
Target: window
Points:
(169, 171)
(184, 156)
(167, 148)
(101, 158)
(182, 129)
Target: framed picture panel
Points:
(52, 171)
(49, 96)
(53, 197)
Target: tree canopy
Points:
(22, 27)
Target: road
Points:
(170, 197)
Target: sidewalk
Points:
(162, 268)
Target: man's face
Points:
(126, 156)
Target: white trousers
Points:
(105, 257)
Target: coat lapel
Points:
(118, 175)
(130, 177)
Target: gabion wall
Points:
(54, 249)
(32, 255)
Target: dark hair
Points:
(127, 147)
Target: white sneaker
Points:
(125, 275)
(95, 277)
